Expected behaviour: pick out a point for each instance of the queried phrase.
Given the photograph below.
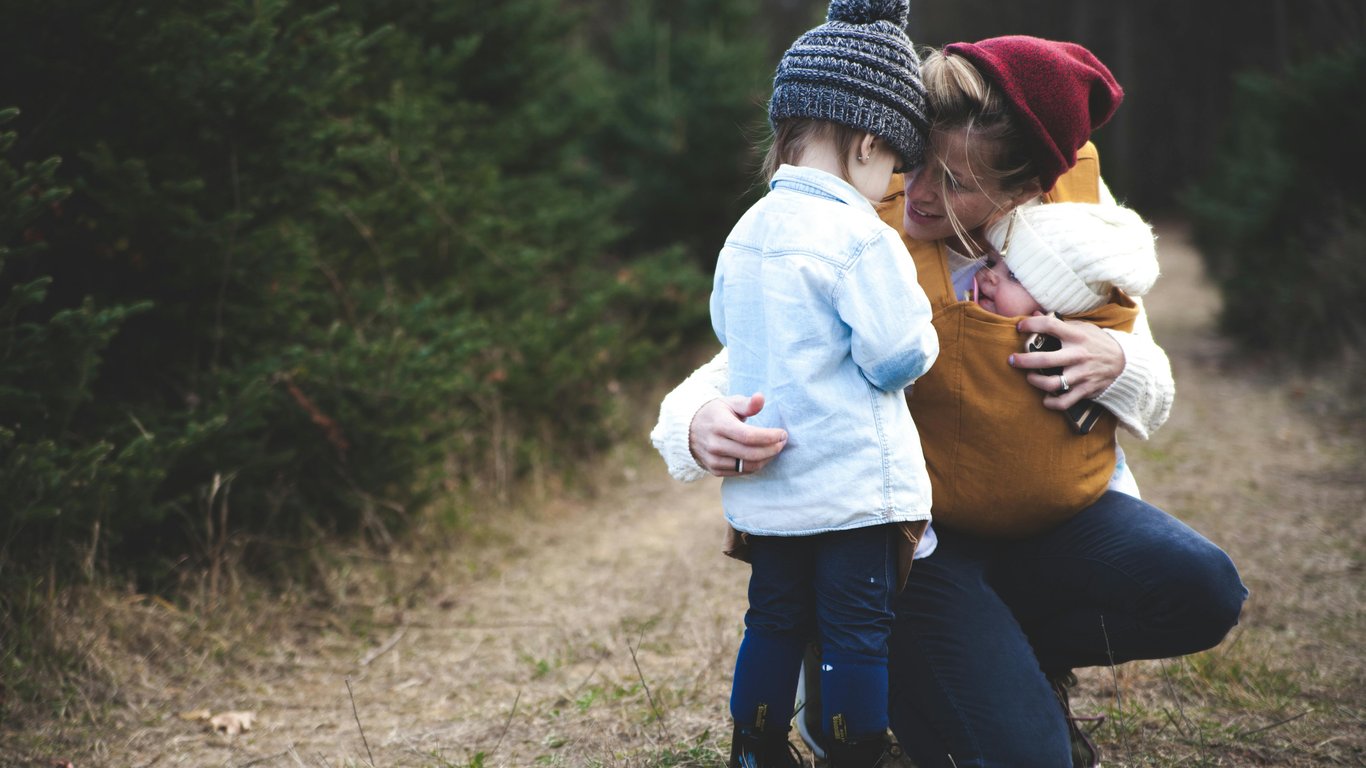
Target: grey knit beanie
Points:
(1069, 256)
(857, 69)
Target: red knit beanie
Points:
(1060, 91)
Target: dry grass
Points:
(599, 627)
(1269, 465)
(553, 628)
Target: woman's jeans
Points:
(983, 624)
(837, 587)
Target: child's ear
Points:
(866, 147)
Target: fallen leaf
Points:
(232, 723)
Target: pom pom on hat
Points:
(859, 70)
(1070, 256)
(1060, 91)
(868, 11)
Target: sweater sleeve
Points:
(1141, 398)
(676, 412)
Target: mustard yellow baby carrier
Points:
(1000, 463)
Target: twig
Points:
(1171, 690)
(1114, 677)
(259, 760)
(348, 306)
(356, 714)
(385, 647)
(1276, 724)
(1172, 719)
(496, 626)
(659, 717)
(506, 724)
(575, 693)
(427, 754)
(331, 429)
(1199, 733)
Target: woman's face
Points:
(946, 180)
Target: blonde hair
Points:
(962, 101)
(792, 137)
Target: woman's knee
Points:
(1226, 595)
(1212, 593)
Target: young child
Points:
(817, 302)
(1082, 261)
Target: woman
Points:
(987, 630)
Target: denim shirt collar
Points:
(813, 181)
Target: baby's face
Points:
(998, 291)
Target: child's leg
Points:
(855, 583)
(777, 625)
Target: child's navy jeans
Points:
(836, 588)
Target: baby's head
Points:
(857, 71)
(1067, 258)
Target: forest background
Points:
(281, 272)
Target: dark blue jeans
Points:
(983, 623)
(837, 587)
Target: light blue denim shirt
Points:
(816, 300)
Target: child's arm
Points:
(893, 341)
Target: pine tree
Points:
(304, 264)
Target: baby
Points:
(1003, 464)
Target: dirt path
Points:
(604, 633)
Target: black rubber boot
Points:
(754, 748)
(1085, 753)
(871, 752)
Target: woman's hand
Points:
(1089, 358)
(718, 436)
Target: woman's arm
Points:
(1127, 373)
(1142, 395)
(701, 430)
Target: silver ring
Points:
(1062, 384)
(739, 466)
